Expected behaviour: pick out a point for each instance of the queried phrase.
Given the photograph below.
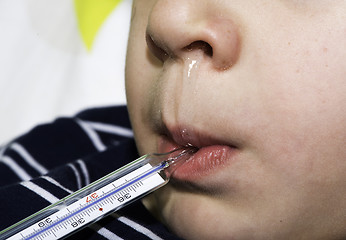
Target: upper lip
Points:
(189, 136)
(183, 133)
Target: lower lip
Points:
(206, 161)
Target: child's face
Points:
(260, 87)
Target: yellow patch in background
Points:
(91, 14)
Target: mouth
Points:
(212, 155)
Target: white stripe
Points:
(40, 191)
(2, 150)
(109, 128)
(75, 171)
(85, 171)
(28, 158)
(18, 170)
(105, 232)
(137, 227)
(53, 181)
(95, 139)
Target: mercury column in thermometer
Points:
(98, 199)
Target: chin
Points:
(194, 216)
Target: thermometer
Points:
(100, 198)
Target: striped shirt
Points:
(53, 160)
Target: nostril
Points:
(158, 52)
(200, 45)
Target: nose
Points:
(177, 28)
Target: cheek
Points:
(299, 101)
(301, 94)
(141, 72)
(304, 123)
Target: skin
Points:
(269, 79)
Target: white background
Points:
(46, 70)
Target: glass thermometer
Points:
(100, 198)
